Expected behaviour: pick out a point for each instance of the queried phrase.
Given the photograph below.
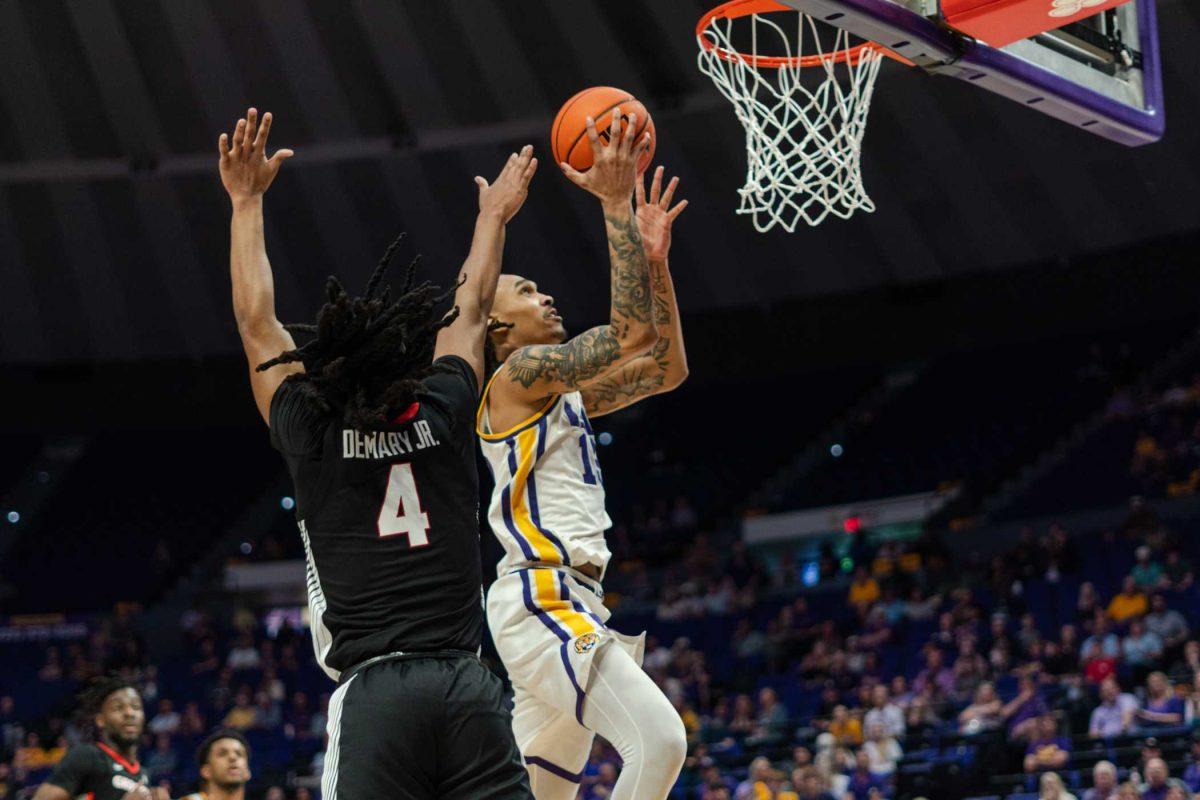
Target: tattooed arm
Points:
(665, 366)
(536, 371)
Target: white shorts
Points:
(548, 624)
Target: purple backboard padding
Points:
(917, 38)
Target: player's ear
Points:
(206, 773)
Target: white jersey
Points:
(547, 506)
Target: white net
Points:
(803, 137)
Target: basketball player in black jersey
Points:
(375, 419)
(107, 769)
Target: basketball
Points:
(568, 135)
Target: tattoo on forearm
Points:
(581, 358)
(630, 272)
(628, 384)
(662, 301)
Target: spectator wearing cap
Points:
(1114, 715)
(1048, 750)
(1129, 603)
(1162, 708)
(1104, 782)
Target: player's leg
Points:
(382, 736)
(479, 755)
(555, 746)
(625, 707)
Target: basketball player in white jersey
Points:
(572, 675)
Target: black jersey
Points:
(389, 520)
(97, 772)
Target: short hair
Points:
(369, 353)
(1105, 766)
(93, 697)
(205, 748)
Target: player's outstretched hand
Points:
(655, 215)
(245, 169)
(505, 195)
(614, 165)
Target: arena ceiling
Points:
(113, 240)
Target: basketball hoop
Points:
(803, 143)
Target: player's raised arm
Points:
(247, 173)
(665, 366)
(498, 203)
(540, 370)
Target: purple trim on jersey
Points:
(531, 486)
(542, 615)
(579, 694)
(506, 508)
(565, 594)
(555, 769)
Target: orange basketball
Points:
(568, 135)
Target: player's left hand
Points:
(505, 196)
(655, 215)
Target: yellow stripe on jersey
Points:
(526, 450)
(495, 437)
(549, 600)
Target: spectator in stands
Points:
(1129, 791)
(1050, 787)
(923, 708)
(811, 787)
(846, 729)
(882, 749)
(243, 714)
(1191, 775)
(1141, 649)
(1102, 634)
(936, 674)
(163, 760)
(1147, 572)
(864, 590)
(1130, 602)
(268, 715)
(1088, 603)
(756, 777)
(1021, 714)
(1115, 714)
(884, 712)
(772, 723)
(207, 662)
(1158, 781)
(11, 730)
(862, 780)
(1097, 665)
(1189, 664)
(985, 713)
(167, 720)
(51, 671)
(1104, 782)
(1177, 571)
(1168, 624)
(1047, 750)
(193, 723)
(244, 655)
(1162, 707)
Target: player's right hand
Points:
(614, 167)
(245, 169)
(505, 195)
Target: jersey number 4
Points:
(401, 512)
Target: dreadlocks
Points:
(370, 353)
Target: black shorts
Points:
(421, 727)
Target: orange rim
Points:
(736, 9)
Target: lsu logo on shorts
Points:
(586, 642)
